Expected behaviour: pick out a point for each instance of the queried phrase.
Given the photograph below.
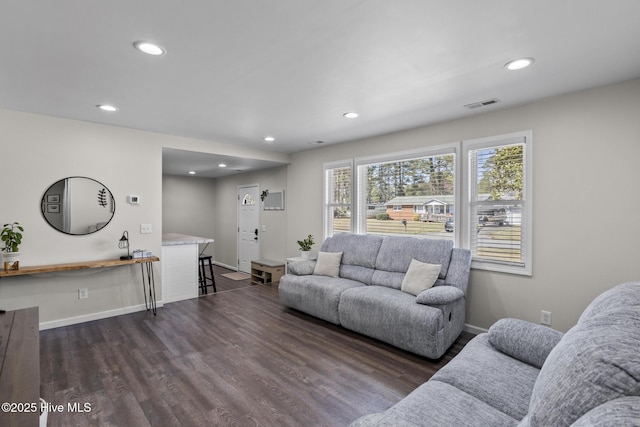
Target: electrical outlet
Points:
(545, 318)
(83, 293)
(145, 228)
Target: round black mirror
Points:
(78, 205)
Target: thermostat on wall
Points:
(134, 200)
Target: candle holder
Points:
(123, 243)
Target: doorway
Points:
(248, 226)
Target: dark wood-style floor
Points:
(235, 358)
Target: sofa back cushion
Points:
(359, 253)
(595, 362)
(396, 253)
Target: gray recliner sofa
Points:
(366, 297)
(525, 375)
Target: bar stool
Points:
(202, 277)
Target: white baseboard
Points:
(94, 316)
(475, 330)
(181, 297)
(225, 266)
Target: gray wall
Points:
(586, 229)
(272, 241)
(46, 149)
(188, 206)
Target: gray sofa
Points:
(523, 374)
(366, 295)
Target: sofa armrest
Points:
(301, 268)
(525, 341)
(459, 269)
(439, 295)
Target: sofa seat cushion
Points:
(394, 317)
(489, 375)
(598, 357)
(396, 253)
(438, 404)
(315, 295)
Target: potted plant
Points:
(305, 246)
(11, 235)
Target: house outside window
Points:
(402, 181)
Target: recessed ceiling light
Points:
(222, 165)
(107, 107)
(149, 48)
(192, 172)
(269, 139)
(350, 115)
(518, 64)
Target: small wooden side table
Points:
(265, 271)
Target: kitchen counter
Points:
(180, 266)
(173, 239)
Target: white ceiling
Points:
(206, 165)
(236, 71)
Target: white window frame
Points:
(463, 192)
(360, 164)
(327, 217)
(525, 137)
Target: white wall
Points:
(586, 229)
(188, 207)
(37, 151)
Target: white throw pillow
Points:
(328, 264)
(420, 276)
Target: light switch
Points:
(145, 228)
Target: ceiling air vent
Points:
(482, 103)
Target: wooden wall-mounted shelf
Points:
(148, 280)
(52, 268)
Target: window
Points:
(482, 193)
(498, 227)
(403, 193)
(337, 189)
(248, 200)
(406, 184)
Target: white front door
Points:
(248, 226)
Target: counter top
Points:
(173, 239)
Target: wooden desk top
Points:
(52, 268)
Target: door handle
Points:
(256, 233)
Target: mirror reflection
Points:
(78, 205)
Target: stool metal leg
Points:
(213, 279)
(202, 278)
